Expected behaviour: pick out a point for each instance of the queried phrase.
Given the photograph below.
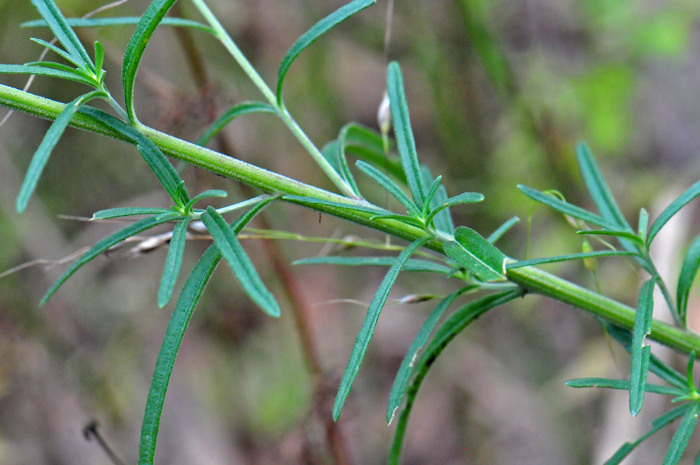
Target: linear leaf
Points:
(624, 385)
(656, 425)
(598, 188)
(59, 51)
(622, 234)
(567, 208)
(504, 228)
(365, 334)
(404, 374)
(659, 368)
(44, 71)
(239, 262)
(137, 45)
(232, 113)
(105, 244)
(476, 254)
(390, 186)
(404, 134)
(443, 220)
(121, 21)
(640, 351)
(205, 195)
(173, 261)
(154, 157)
(41, 156)
(562, 258)
(432, 190)
(368, 145)
(682, 436)
(314, 33)
(455, 324)
(189, 296)
(403, 218)
(692, 192)
(467, 197)
(63, 32)
(689, 270)
(411, 264)
(128, 211)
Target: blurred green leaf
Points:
(367, 330)
(390, 186)
(624, 385)
(502, 229)
(62, 73)
(128, 211)
(467, 197)
(621, 234)
(121, 21)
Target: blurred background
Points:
(500, 93)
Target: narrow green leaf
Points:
(659, 368)
(122, 21)
(60, 52)
(41, 156)
(622, 234)
(205, 195)
(390, 186)
(302, 200)
(656, 425)
(404, 135)
(598, 188)
(690, 383)
(454, 325)
(63, 32)
(137, 45)
(443, 219)
(567, 208)
(430, 195)
(365, 334)
(71, 75)
(154, 157)
(314, 33)
(173, 261)
(689, 270)
(99, 59)
(467, 197)
(477, 255)
(404, 219)
(191, 292)
(239, 262)
(640, 351)
(682, 436)
(128, 211)
(562, 258)
(105, 244)
(404, 374)
(672, 209)
(234, 112)
(410, 264)
(623, 385)
(504, 228)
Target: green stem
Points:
(530, 278)
(243, 62)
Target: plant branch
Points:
(530, 278)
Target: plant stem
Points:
(243, 62)
(530, 278)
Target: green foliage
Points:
(462, 254)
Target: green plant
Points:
(461, 253)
